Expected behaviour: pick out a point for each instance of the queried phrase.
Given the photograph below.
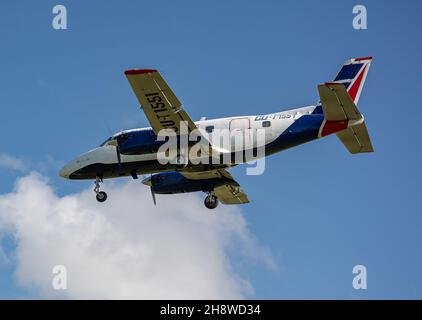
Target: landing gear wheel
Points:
(211, 201)
(101, 196)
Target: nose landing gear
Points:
(101, 196)
(211, 201)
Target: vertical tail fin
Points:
(353, 75)
(339, 99)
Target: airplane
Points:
(137, 151)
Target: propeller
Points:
(119, 159)
(148, 182)
(153, 196)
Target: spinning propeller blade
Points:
(148, 182)
(119, 160)
(153, 197)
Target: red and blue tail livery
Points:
(353, 75)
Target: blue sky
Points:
(317, 208)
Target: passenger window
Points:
(209, 129)
(266, 124)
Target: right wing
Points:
(160, 104)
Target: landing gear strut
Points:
(211, 201)
(100, 195)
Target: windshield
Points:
(105, 142)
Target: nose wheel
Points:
(101, 196)
(211, 201)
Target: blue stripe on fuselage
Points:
(304, 129)
(318, 110)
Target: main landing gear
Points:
(101, 196)
(211, 201)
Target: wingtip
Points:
(139, 71)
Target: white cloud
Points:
(126, 247)
(11, 162)
(4, 260)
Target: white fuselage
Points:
(272, 125)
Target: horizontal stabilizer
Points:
(356, 139)
(336, 102)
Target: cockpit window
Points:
(105, 142)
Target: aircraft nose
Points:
(65, 172)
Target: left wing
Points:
(228, 192)
(161, 106)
